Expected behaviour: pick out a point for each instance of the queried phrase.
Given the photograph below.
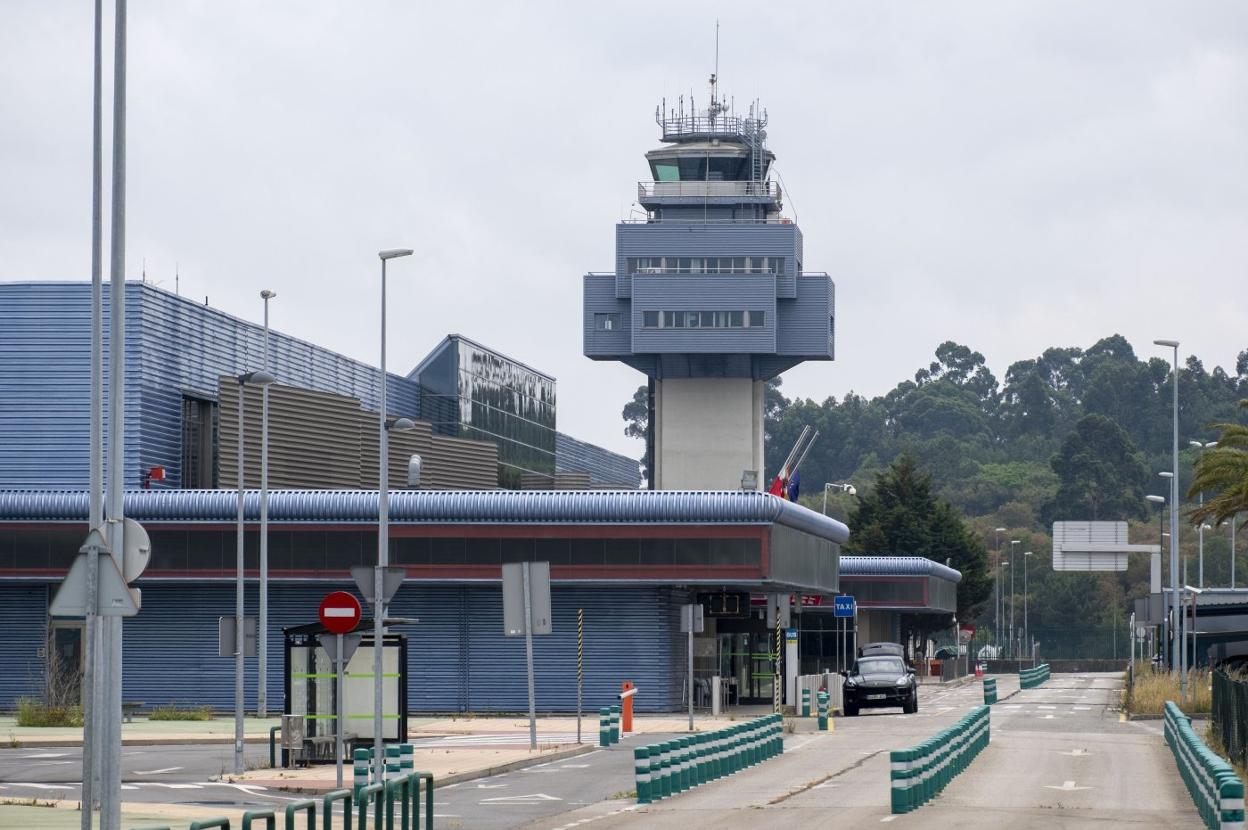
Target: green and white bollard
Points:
(393, 763)
(407, 759)
(805, 703)
(823, 711)
(361, 769)
(604, 727)
(641, 770)
(615, 724)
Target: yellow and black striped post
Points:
(580, 667)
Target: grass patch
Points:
(1153, 689)
(31, 712)
(175, 712)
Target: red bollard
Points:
(627, 690)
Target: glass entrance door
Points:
(65, 662)
(746, 658)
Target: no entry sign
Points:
(340, 612)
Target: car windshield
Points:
(881, 665)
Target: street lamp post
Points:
(1026, 627)
(262, 621)
(1013, 650)
(1174, 500)
(996, 586)
(383, 527)
(1200, 557)
(248, 379)
(845, 488)
(1160, 501)
(1176, 639)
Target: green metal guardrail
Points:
(405, 791)
(1230, 714)
(1030, 678)
(665, 769)
(990, 691)
(1215, 788)
(920, 773)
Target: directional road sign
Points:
(113, 597)
(391, 580)
(843, 607)
(340, 612)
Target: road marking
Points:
(534, 798)
(1038, 707)
(1038, 717)
(1076, 708)
(165, 770)
(57, 754)
(1074, 753)
(886, 818)
(487, 786)
(565, 766)
(178, 786)
(1067, 786)
(40, 786)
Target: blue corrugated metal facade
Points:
(174, 347)
(458, 658)
(23, 633)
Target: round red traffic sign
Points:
(340, 612)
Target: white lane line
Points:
(52, 754)
(1076, 708)
(886, 818)
(1067, 787)
(532, 798)
(165, 770)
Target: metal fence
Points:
(1230, 714)
(1071, 642)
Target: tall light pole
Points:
(1176, 607)
(844, 488)
(1200, 557)
(1026, 627)
(1233, 551)
(262, 623)
(1174, 504)
(996, 585)
(1013, 650)
(240, 641)
(383, 527)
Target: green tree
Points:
(1100, 474)
(637, 423)
(1224, 472)
(900, 516)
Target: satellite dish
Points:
(138, 549)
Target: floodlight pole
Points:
(240, 639)
(262, 621)
(383, 533)
(108, 737)
(1176, 608)
(91, 629)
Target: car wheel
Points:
(912, 705)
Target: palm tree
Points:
(1224, 471)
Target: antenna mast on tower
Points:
(716, 106)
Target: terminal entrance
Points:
(747, 662)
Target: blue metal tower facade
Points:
(709, 297)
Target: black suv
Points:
(880, 681)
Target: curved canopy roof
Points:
(896, 566)
(693, 507)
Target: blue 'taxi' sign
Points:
(843, 607)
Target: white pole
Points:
(109, 736)
(239, 634)
(1200, 555)
(91, 702)
(528, 657)
(1232, 552)
(262, 621)
(690, 607)
(339, 711)
(383, 546)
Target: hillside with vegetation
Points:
(1073, 433)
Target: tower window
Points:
(703, 319)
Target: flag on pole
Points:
(794, 485)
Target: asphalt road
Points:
(1060, 757)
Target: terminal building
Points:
(709, 299)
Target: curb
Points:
(459, 777)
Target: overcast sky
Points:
(1008, 175)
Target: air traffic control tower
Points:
(709, 297)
